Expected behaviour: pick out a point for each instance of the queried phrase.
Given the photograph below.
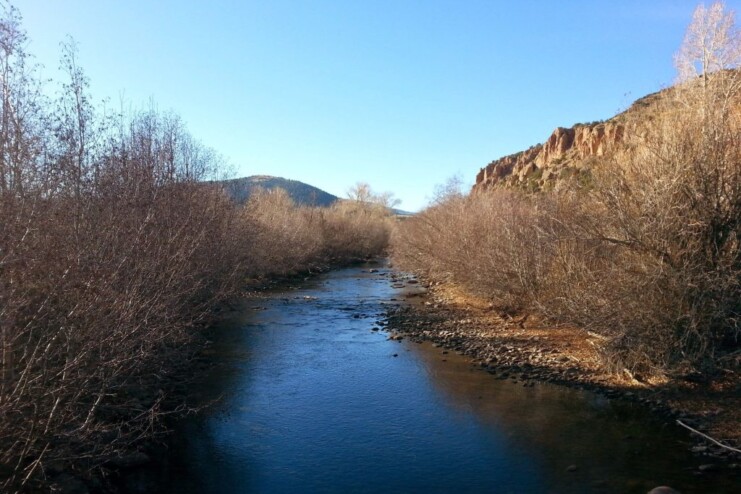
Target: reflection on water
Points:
(314, 401)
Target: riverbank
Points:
(518, 350)
(315, 398)
(524, 349)
(141, 468)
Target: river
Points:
(313, 399)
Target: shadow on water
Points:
(315, 401)
(616, 446)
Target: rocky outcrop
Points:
(571, 153)
(566, 148)
(597, 140)
(502, 168)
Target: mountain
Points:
(303, 194)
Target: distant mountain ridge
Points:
(240, 190)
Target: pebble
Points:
(663, 489)
(513, 361)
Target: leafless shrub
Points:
(101, 279)
(662, 279)
(285, 238)
(355, 230)
(668, 212)
(649, 254)
(113, 250)
(491, 243)
(110, 251)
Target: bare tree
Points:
(21, 119)
(710, 53)
(363, 193)
(452, 188)
(360, 192)
(712, 43)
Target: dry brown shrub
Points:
(100, 283)
(648, 255)
(354, 230)
(114, 251)
(491, 243)
(285, 238)
(110, 252)
(665, 215)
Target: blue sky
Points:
(400, 94)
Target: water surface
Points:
(314, 400)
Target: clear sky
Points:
(401, 94)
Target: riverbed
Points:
(312, 396)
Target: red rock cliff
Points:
(565, 148)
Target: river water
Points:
(313, 400)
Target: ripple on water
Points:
(315, 401)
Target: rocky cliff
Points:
(566, 152)
(571, 153)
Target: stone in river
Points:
(662, 489)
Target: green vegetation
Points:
(532, 181)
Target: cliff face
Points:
(570, 152)
(565, 149)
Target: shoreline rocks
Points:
(508, 352)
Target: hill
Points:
(570, 152)
(303, 194)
